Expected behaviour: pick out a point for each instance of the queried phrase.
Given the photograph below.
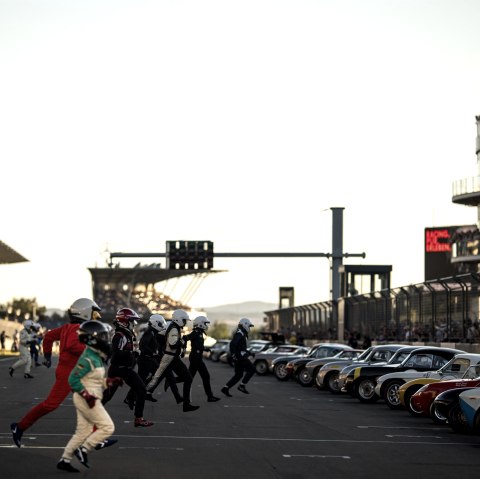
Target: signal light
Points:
(189, 254)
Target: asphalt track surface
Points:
(280, 430)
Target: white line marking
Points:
(225, 405)
(271, 439)
(315, 455)
(402, 427)
(404, 435)
(156, 422)
(5, 446)
(151, 447)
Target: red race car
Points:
(422, 401)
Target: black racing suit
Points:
(196, 359)
(152, 346)
(243, 366)
(172, 362)
(122, 364)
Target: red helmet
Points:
(126, 318)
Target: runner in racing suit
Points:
(240, 354)
(172, 359)
(200, 326)
(81, 310)
(123, 361)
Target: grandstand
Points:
(145, 288)
(9, 255)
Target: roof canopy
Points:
(142, 274)
(9, 255)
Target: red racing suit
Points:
(70, 350)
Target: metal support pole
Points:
(337, 250)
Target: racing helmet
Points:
(126, 318)
(245, 324)
(95, 335)
(180, 317)
(83, 309)
(28, 325)
(201, 322)
(158, 323)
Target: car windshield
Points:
(424, 360)
(220, 345)
(473, 372)
(365, 354)
(399, 357)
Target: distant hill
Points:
(231, 313)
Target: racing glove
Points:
(114, 382)
(89, 398)
(47, 359)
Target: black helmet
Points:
(95, 335)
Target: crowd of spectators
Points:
(143, 300)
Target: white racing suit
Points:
(172, 361)
(24, 349)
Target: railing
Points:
(441, 311)
(466, 186)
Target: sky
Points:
(128, 123)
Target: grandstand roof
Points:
(142, 274)
(9, 255)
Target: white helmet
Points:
(201, 322)
(28, 325)
(83, 309)
(158, 323)
(245, 324)
(180, 317)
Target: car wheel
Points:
(365, 391)
(476, 422)
(390, 394)
(437, 417)
(332, 382)
(407, 397)
(261, 367)
(280, 371)
(214, 357)
(457, 420)
(305, 378)
(320, 387)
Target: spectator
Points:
(2, 340)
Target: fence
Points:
(445, 310)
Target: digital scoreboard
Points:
(438, 253)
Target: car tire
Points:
(261, 367)
(390, 394)
(280, 372)
(457, 420)
(365, 390)
(407, 397)
(305, 378)
(332, 382)
(322, 386)
(436, 416)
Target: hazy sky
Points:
(127, 123)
